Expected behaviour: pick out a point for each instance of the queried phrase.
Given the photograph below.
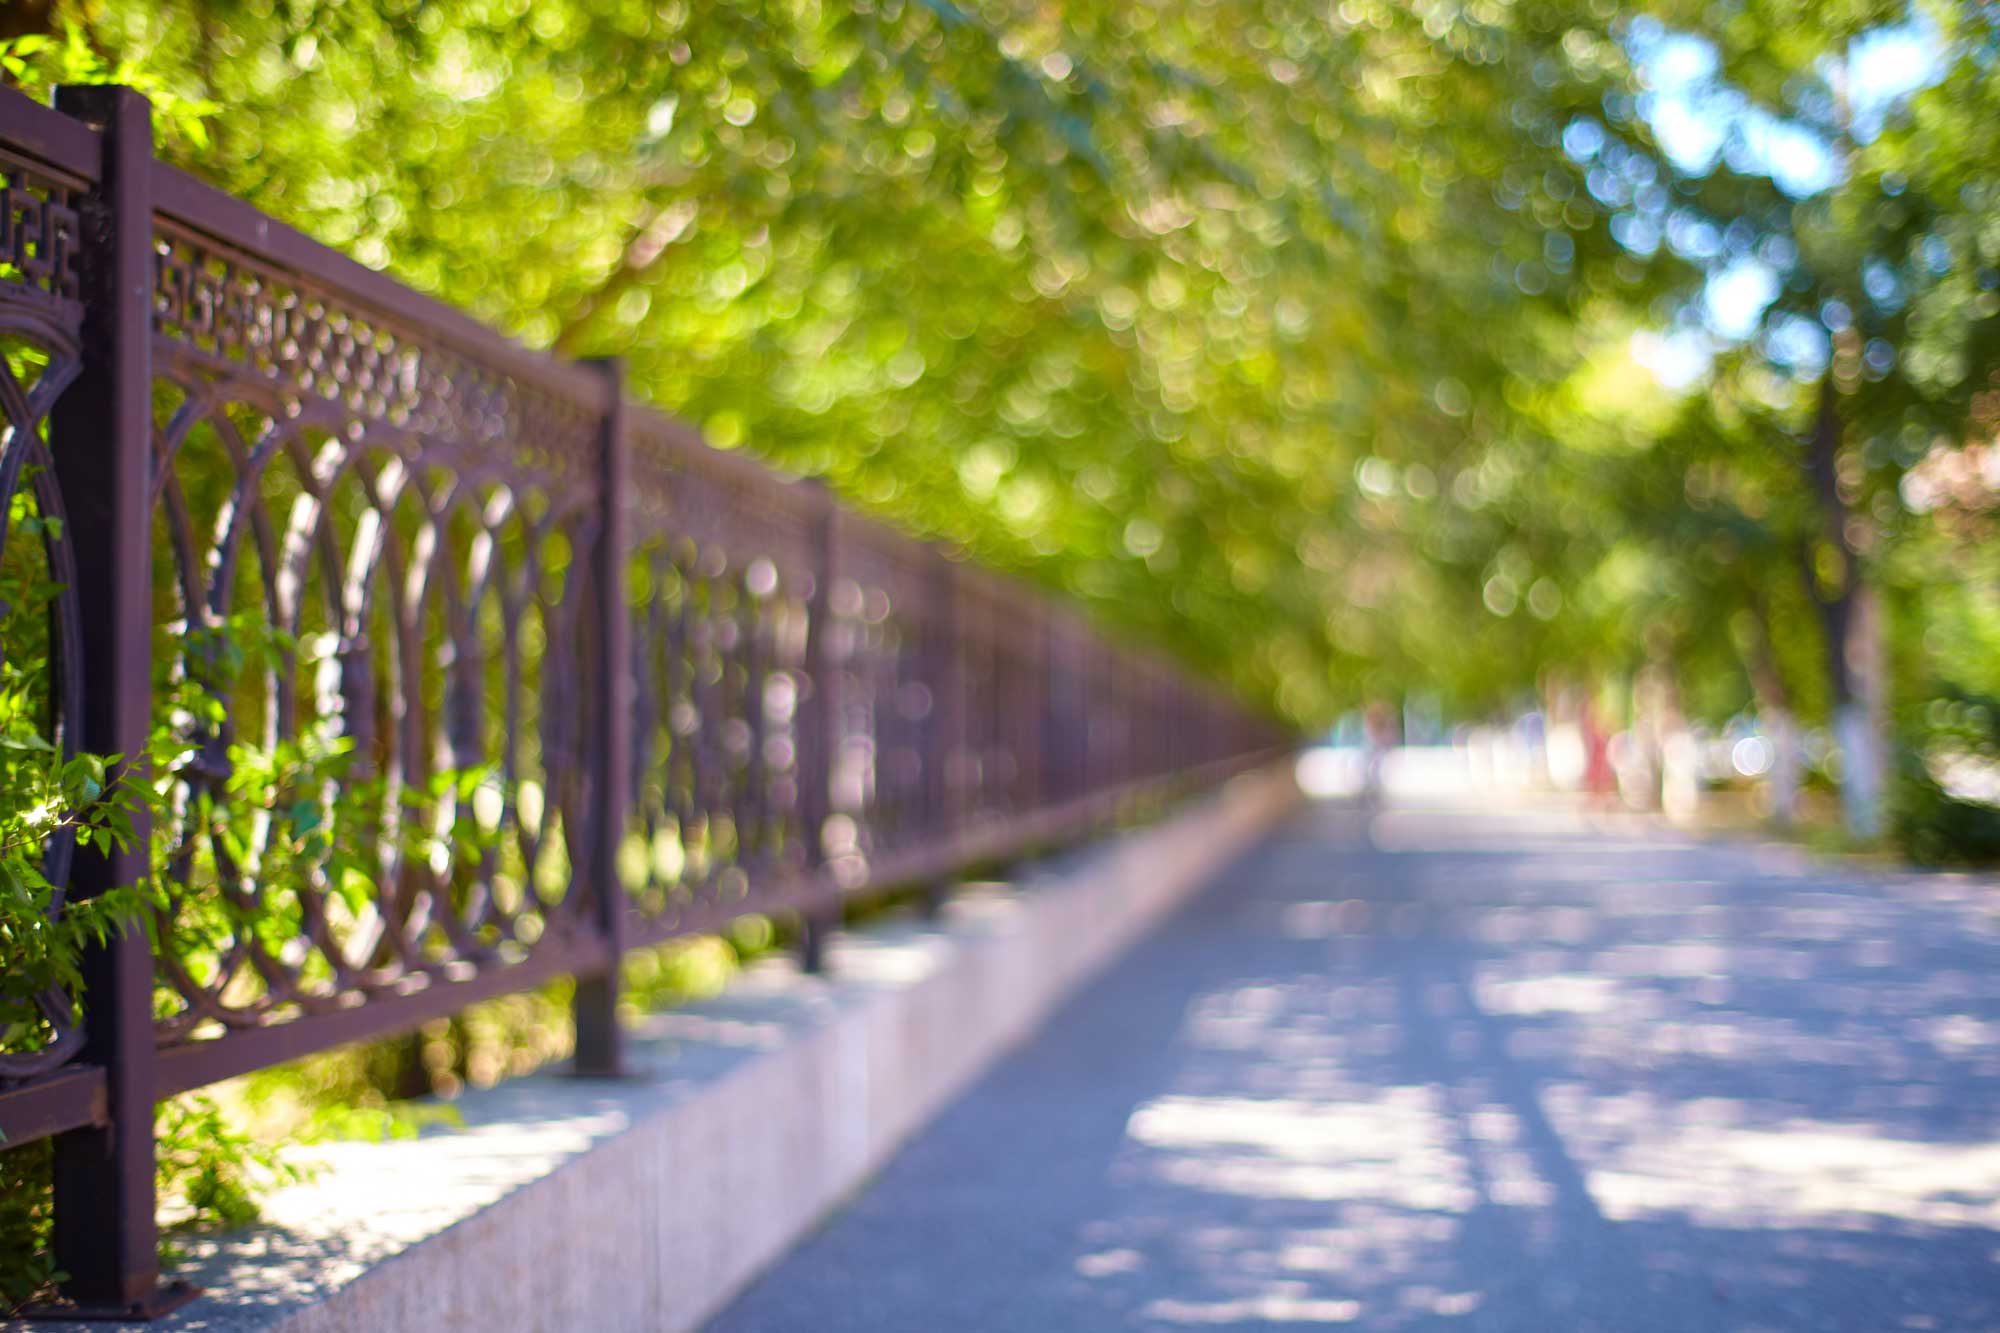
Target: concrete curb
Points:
(647, 1204)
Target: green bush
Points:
(1956, 734)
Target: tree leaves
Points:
(1142, 301)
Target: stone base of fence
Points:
(646, 1203)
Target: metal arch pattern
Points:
(722, 578)
(410, 524)
(41, 316)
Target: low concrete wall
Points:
(647, 1203)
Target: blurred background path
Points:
(1464, 1062)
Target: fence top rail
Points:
(674, 443)
(219, 217)
(49, 136)
(683, 471)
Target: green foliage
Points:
(28, 1269)
(211, 1170)
(1294, 339)
(293, 813)
(39, 62)
(41, 936)
(54, 799)
(1124, 297)
(1947, 640)
(1954, 743)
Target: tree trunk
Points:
(1678, 750)
(1787, 762)
(1861, 719)
(1848, 626)
(1774, 712)
(645, 247)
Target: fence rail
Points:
(560, 680)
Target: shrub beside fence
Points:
(453, 670)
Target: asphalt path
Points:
(1470, 1065)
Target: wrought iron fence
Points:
(566, 681)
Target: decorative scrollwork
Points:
(257, 326)
(39, 239)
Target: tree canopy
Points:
(1347, 349)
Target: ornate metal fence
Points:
(564, 680)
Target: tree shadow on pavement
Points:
(1463, 1069)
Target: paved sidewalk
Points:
(1459, 1068)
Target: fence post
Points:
(1059, 721)
(599, 1042)
(942, 738)
(819, 722)
(1052, 696)
(101, 432)
(1035, 708)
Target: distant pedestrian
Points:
(1600, 777)
(1378, 728)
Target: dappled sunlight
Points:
(1509, 1068)
(371, 1201)
(1516, 1069)
(745, 1034)
(898, 962)
(1793, 1174)
(1287, 1304)
(1573, 994)
(1325, 772)
(1388, 1149)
